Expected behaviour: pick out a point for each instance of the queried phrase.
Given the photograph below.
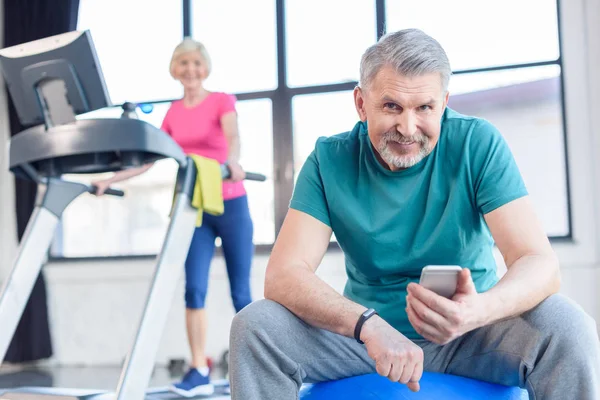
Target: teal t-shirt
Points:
(392, 224)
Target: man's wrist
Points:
(367, 326)
(368, 313)
(487, 310)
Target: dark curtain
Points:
(24, 21)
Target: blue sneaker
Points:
(193, 384)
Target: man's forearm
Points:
(314, 301)
(527, 282)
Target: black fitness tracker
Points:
(361, 320)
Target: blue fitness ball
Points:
(434, 386)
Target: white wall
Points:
(95, 306)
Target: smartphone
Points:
(441, 279)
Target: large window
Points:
(335, 113)
(293, 66)
(479, 34)
(323, 45)
(242, 43)
(134, 40)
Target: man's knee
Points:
(260, 318)
(568, 324)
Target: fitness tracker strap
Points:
(361, 320)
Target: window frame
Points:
(282, 121)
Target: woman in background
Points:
(205, 123)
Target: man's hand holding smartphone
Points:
(454, 310)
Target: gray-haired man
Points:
(413, 184)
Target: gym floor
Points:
(101, 378)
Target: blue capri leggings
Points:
(235, 229)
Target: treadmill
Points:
(51, 81)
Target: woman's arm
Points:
(229, 123)
(125, 174)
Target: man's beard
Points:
(402, 161)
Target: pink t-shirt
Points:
(198, 131)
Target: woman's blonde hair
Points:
(189, 45)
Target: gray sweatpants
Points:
(552, 350)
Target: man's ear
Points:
(446, 98)
(359, 102)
